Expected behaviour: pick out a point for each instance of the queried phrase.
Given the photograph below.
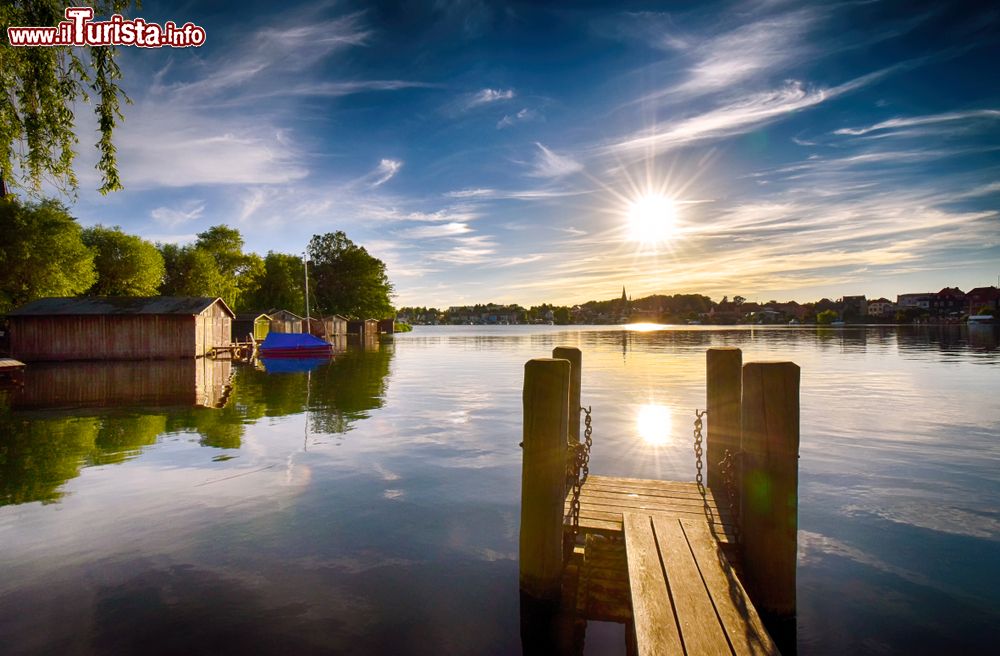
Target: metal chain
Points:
(698, 449)
(727, 468)
(577, 471)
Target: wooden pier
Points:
(243, 351)
(688, 568)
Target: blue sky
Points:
(490, 151)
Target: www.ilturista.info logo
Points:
(79, 29)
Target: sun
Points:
(652, 219)
(653, 423)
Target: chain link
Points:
(577, 471)
(698, 449)
(727, 468)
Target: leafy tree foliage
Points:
(348, 280)
(191, 271)
(41, 253)
(824, 317)
(42, 86)
(126, 265)
(215, 265)
(279, 286)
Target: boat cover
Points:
(291, 341)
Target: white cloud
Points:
(894, 123)
(385, 171)
(749, 51)
(737, 117)
(164, 146)
(435, 231)
(335, 89)
(487, 96)
(268, 55)
(250, 202)
(470, 250)
(172, 217)
(522, 116)
(471, 193)
(552, 165)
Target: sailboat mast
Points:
(305, 268)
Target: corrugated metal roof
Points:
(117, 305)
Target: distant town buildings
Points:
(921, 300)
(947, 301)
(881, 307)
(949, 304)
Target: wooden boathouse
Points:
(328, 328)
(119, 328)
(703, 567)
(365, 328)
(251, 324)
(283, 321)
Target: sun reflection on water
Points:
(654, 423)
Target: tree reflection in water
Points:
(75, 415)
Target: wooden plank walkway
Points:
(686, 599)
(659, 555)
(603, 499)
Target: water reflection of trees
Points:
(46, 440)
(38, 454)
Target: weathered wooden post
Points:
(769, 486)
(724, 387)
(543, 476)
(575, 357)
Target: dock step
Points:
(686, 598)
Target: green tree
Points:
(191, 271)
(826, 317)
(561, 316)
(126, 265)
(226, 246)
(41, 253)
(42, 87)
(347, 279)
(280, 286)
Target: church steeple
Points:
(624, 297)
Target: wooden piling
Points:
(575, 357)
(724, 387)
(546, 396)
(769, 486)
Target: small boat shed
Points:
(119, 328)
(363, 327)
(328, 327)
(246, 324)
(283, 321)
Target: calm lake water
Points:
(371, 505)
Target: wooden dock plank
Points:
(689, 491)
(595, 521)
(656, 631)
(644, 484)
(610, 505)
(619, 497)
(700, 628)
(604, 499)
(743, 626)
